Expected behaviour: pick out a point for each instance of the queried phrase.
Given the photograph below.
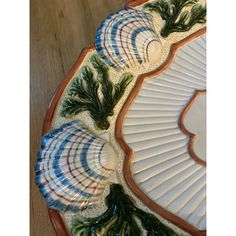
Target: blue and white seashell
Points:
(128, 39)
(73, 167)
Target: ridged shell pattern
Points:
(128, 39)
(73, 167)
(161, 164)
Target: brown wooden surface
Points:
(60, 29)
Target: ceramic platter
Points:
(123, 150)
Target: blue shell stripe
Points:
(84, 161)
(60, 174)
(57, 204)
(98, 41)
(133, 40)
(99, 48)
(62, 182)
(44, 140)
(115, 28)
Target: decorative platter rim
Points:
(128, 151)
(55, 217)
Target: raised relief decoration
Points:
(124, 145)
(127, 39)
(176, 15)
(161, 168)
(73, 167)
(121, 218)
(83, 93)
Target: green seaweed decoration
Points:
(176, 16)
(120, 219)
(83, 93)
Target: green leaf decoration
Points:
(120, 87)
(176, 16)
(84, 90)
(120, 219)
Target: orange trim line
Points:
(56, 97)
(135, 3)
(129, 152)
(187, 132)
(55, 217)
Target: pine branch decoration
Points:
(83, 93)
(120, 219)
(177, 18)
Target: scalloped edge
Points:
(55, 217)
(129, 152)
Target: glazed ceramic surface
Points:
(195, 122)
(73, 167)
(128, 39)
(161, 164)
(124, 145)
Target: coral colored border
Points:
(135, 3)
(128, 151)
(56, 97)
(187, 132)
(55, 217)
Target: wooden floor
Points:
(60, 29)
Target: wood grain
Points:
(59, 31)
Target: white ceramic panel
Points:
(195, 122)
(161, 165)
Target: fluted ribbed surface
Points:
(161, 165)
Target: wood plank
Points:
(59, 31)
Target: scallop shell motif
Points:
(161, 164)
(73, 167)
(127, 39)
